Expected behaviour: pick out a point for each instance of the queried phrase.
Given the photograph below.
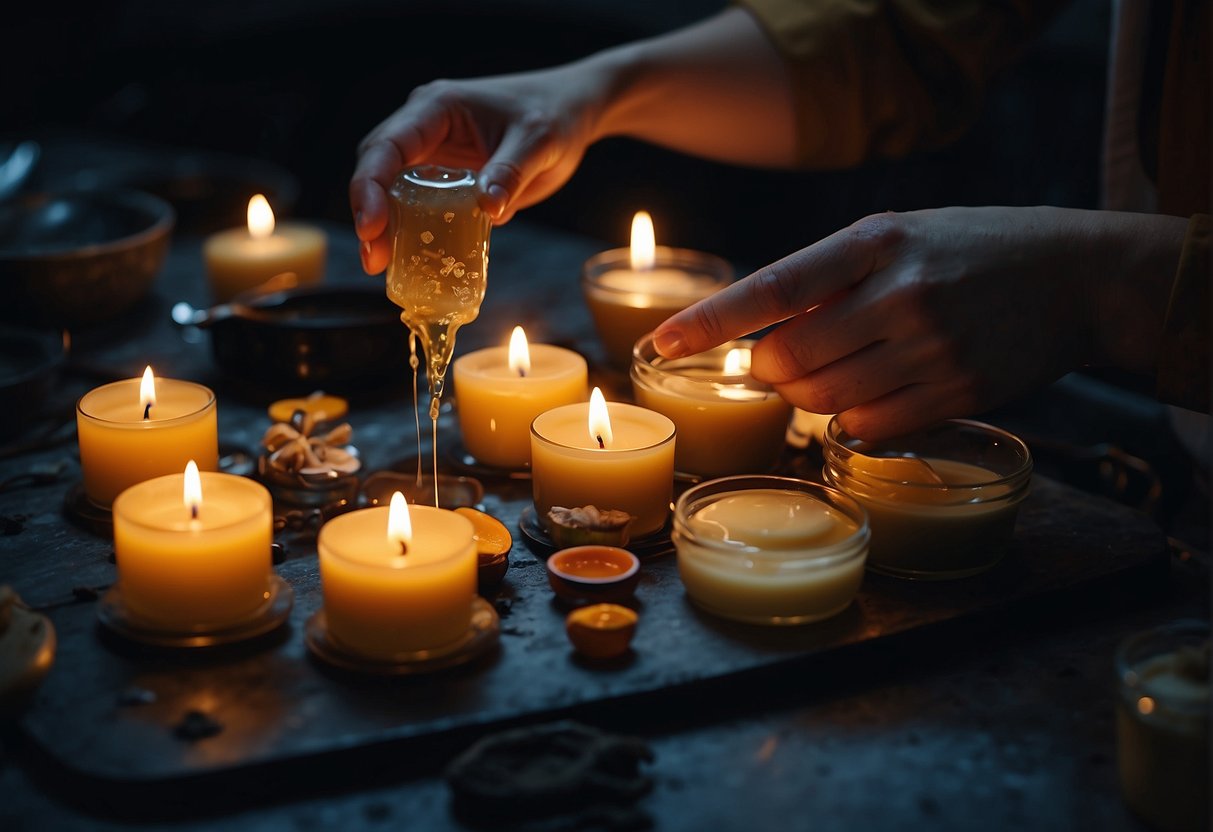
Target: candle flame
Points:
(644, 246)
(147, 391)
(520, 354)
(260, 217)
(399, 525)
(191, 493)
(600, 420)
(737, 362)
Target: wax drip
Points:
(415, 363)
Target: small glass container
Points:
(626, 302)
(770, 550)
(1162, 725)
(942, 501)
(728, 423)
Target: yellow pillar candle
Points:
(501, 390)
(631, 291)
(770, 550)
(119, 447)
(615, 456)
(397, 579)
(942, 502)
(242, 258)
(728, 423)
(193, 550)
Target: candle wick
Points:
(147, 411)
(194, 511)
(521, 373)
(601, 444)
(404, 548)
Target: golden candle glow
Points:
(191, 490)
(399, 524)
(600, 420)
(147, 390)
(260, 217)
(520, 353)
(737, 362)
(644, 244)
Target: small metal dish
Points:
(80, 257)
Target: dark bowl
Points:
(340, 339)
(30, 361)
(80, 257)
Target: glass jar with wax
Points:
(770, 550)
(728, 423)
(942, 501)
(631, 290)
(1162, 725)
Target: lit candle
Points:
(630, 291)
(137, 429)
(728, 423)
(501, 390)
(193, 550)
(615, 456)
(942, 502)
(397, 579)
(770, 550)
(241, 258)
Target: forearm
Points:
(717, 89)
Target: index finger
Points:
(781, 290)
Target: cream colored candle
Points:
(394, 588)
(934, 515)
(501, 390)
(631, 291)
(183, 570)
(772, 551)
(119, 447)
(631, 469)
(728, 423)
(242, 258)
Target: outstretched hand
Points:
(904, 319)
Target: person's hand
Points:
(525, 133)
(905, 319)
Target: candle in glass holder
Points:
(942, 501)
(137, 429)
(501, 390)
(615, 456)
(630, 291)
(728, 423)
(770, 550)
(397, 579)
(193, 550)
(243, 258)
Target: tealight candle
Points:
(728, 423)
(1162, 725)
(501, 390)
(942, 501)
(630, 291)
(137, 429)
(242, 258)
(770, 550)
(615, 456)
(397, 579)
(193, 550)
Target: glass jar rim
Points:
(716, 269)
(664, 440)
(834, 437)
(258, 498)
(140, 424)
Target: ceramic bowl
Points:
(593, 573)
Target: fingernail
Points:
(669, 343)
(498, 196)
(358, 220)
(366, 250)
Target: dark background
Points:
(298, 84)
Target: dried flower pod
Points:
(278, 435)
(586, 525)
(338, 436)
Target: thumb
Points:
(523, 154)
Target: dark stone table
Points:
(998, 716)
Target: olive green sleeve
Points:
(878, 79)
(1183, 357)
